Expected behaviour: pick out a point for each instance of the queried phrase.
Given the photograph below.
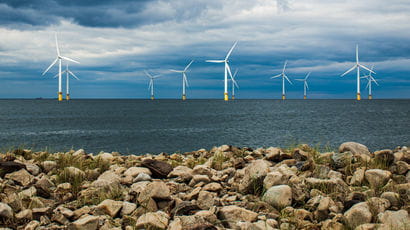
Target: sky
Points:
(116, 40)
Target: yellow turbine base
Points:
(233, 97)
(67, 97)
(283, 97)
(304, 97)
(226, 97)
(152, 97)
(358, 97)
(60, 96)
(183, 97)
(370, 97)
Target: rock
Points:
(212, 187)
(22, 177)
(208, 216)
(79, 152)
(110, 207)
(392, 197)
(5, 211)
(300, 155)
(273, 178)
(184, 208)
(358, 214)
(159, 169)
(278, 196)
(358, 177)
(202, 170)
(32, 225)
(26, 214)
(402, 167)
(182, 172)
(153, 193)
(194, 222)
(10, 166)
(399, 220)
(108, 179)
(340, 160)
(135, 171)
(86, 222)
(153, 220)
(44, 187)
(254, 173)
(273, 154)
(48, 165)
(33, 169)
(354, 148)
(377, 177)
(199, 178)
(127, 208)
(106, 156)
(68, 213)
(327, 185)
(142, 177)
(81, 211)
(206, 200)
(230, 215)
(385, 156)
(74, 172)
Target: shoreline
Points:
(224, 187)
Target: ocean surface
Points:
(144, 126)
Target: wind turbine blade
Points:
(357, 54)
(307, 76)
(215, 61)
(299, 79)
(148, 75)
(288, 79)
(186, 68)
(374, 80)
(366, 76)
(230, 51)
(72, 74)
(350, 70)
(150, 84)
(368, 83)
(57, 48)
(69, 59)
(185, 79)
(229, 71)
(156, 76)
(57, 74)
(236, 72)
(307, 86)
(284, 66)
(236, 84)
(276, 76)
(176, 71)
(49, 67)
(364, 67)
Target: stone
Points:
(231, 214)
(273, 178)
(153, 220)
(392, 197)
(152, 194)
(108, 179)
(33, 169)
(127, 208)
(86, 222)
(68, 213)
(355, 148)
(22, 177)
(184, 208)
(44, 187)
(6, 211)
(378, 205)
(300, 155)
(110, 207)
(278, 196)
(377, 178)
(48, 165)
(273, 154)
(402, 167)
(358, 177)
(159, 169)
(202, 170)
(398, 220)
(74, 172)
(142, 177)
(386, 156)
(212, 187)
(81, 211)
(135, 171)
(106, 156)
(206, 200)
(199, 178)
(32, 225)
(183, 173)
(253, 173)
(342, 159)
(26, 214)
(358, 214)
(79, 153)
(10, 166)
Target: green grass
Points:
(218, 159)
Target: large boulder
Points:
(10, 166)
(153, 220)
(110, 207)
(278, 196)
(358, 214)
(108, 179)
(183, 173)
(273, 178)
(22, 177)
(254, 174)
(158, 168)
(135, 171)
(232, 214)
(377, 177)
(153, 193)
(355, 148)
(399, 220)
(6, 211)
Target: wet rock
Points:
(399, 220)
(182, 172)
(86, 222)
(377, 177)
(5, 211)
(110, 207)
(358, 214)
(230, 215)
(254, 173)
(22, 177)
(278, 196)
(135, 171)
(154, 220)
(159, 169)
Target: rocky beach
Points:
(226, 187)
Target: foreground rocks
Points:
(222, 188)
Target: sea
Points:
(145, 126)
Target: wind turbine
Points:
(184, 79)
(283, 75)
(59, 60)
(357, 66)
(234, 84)
(227, 70)
(305, 85)
(68, 73)
(370, 79)
(151, 83)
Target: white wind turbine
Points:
(305, 85)
(370, 79)
(151, 83)
(59, 60)
(234, 84)
(283, 75)
(184, 79)
(227, 70)
(68, 73)
(357, 66)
